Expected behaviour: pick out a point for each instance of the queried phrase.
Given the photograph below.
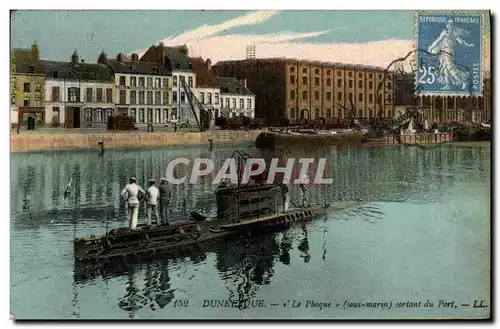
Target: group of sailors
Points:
(157, 202)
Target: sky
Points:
(358, 37)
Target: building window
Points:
(165, 86)
(183, 97)
(190, 82)
(370, 98)
(141, 84)
(304, 70)
(109, 95)
(329, 113)
(141, 115)
(157, 83)
(89, 95)
(173, 114)
(97, 115)
(165, 115)
(242, 103)
(339, 96)
(99, 95)
(339, 73)
(13, 99)
(380, 76)
(227, 103)
(209, 96)
(74, 95)
(133, 113)
(389, 98)
(450, 102)
(122, 97)
(370, 76)
(55, 115)
(158, 97)
(174, 80)
(56, 96)
(26, 102)
(329, 82)
(234, 103)
(292, 113)
(165, 98)
(304, 95)
(339, 83)
(149, 83)
(350, 97)
(141, 97)
(37, 88)
(360, 84)
(216, 98)
(292, 69)
(350, 83)
(174, 96)
(316, 81)
(158, 116)
(150, 114)
(316, 71)
(370, 84)
(304, 80)
(133, 97)
(292, 94)
(350, 74)
(150, 97)
(202, 98)
(133, 81)
(316, 95)
(292, 79)
(221, 102)
(26, 87)
(328, 72)
(389, 85)
(360, 97)
(32, 69)
(360, 75)
(249, 103)
(328, 96)
(122, 81)
(316, 113)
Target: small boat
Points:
(271, 140)
(244, 210)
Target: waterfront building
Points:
(443, 108)
(77, 94)
(176, 61)
(289, 89)
(236, 98)
(206, 89)
(142, 89)
(26, 86)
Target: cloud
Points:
(205, 31)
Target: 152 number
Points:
(427, 75)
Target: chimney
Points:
(208, 64)
(119, 57)
(83, 61)
(35, 51)
(135, 57)
(183, 49)
(74, 58)
(102, 58)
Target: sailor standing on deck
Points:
(164, 200)
(152, 196)
(132, 193)
(303, 188)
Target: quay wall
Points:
(37, 142)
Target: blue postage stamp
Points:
(449, 54)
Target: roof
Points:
(284, 59)
(67, 70)
(178, 60)
(232, 86)
(204, 77)
(130, 67)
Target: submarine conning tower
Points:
(247, 201)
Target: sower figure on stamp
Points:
(152, 196)
(132, 193)
(164, 200)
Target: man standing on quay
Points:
(152, 202)
(132, 193)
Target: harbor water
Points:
(421, 235)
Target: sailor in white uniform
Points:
(152, 196)
(132, 193)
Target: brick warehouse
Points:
(290, 89)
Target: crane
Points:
(194, 104)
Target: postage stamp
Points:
(449, 53)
